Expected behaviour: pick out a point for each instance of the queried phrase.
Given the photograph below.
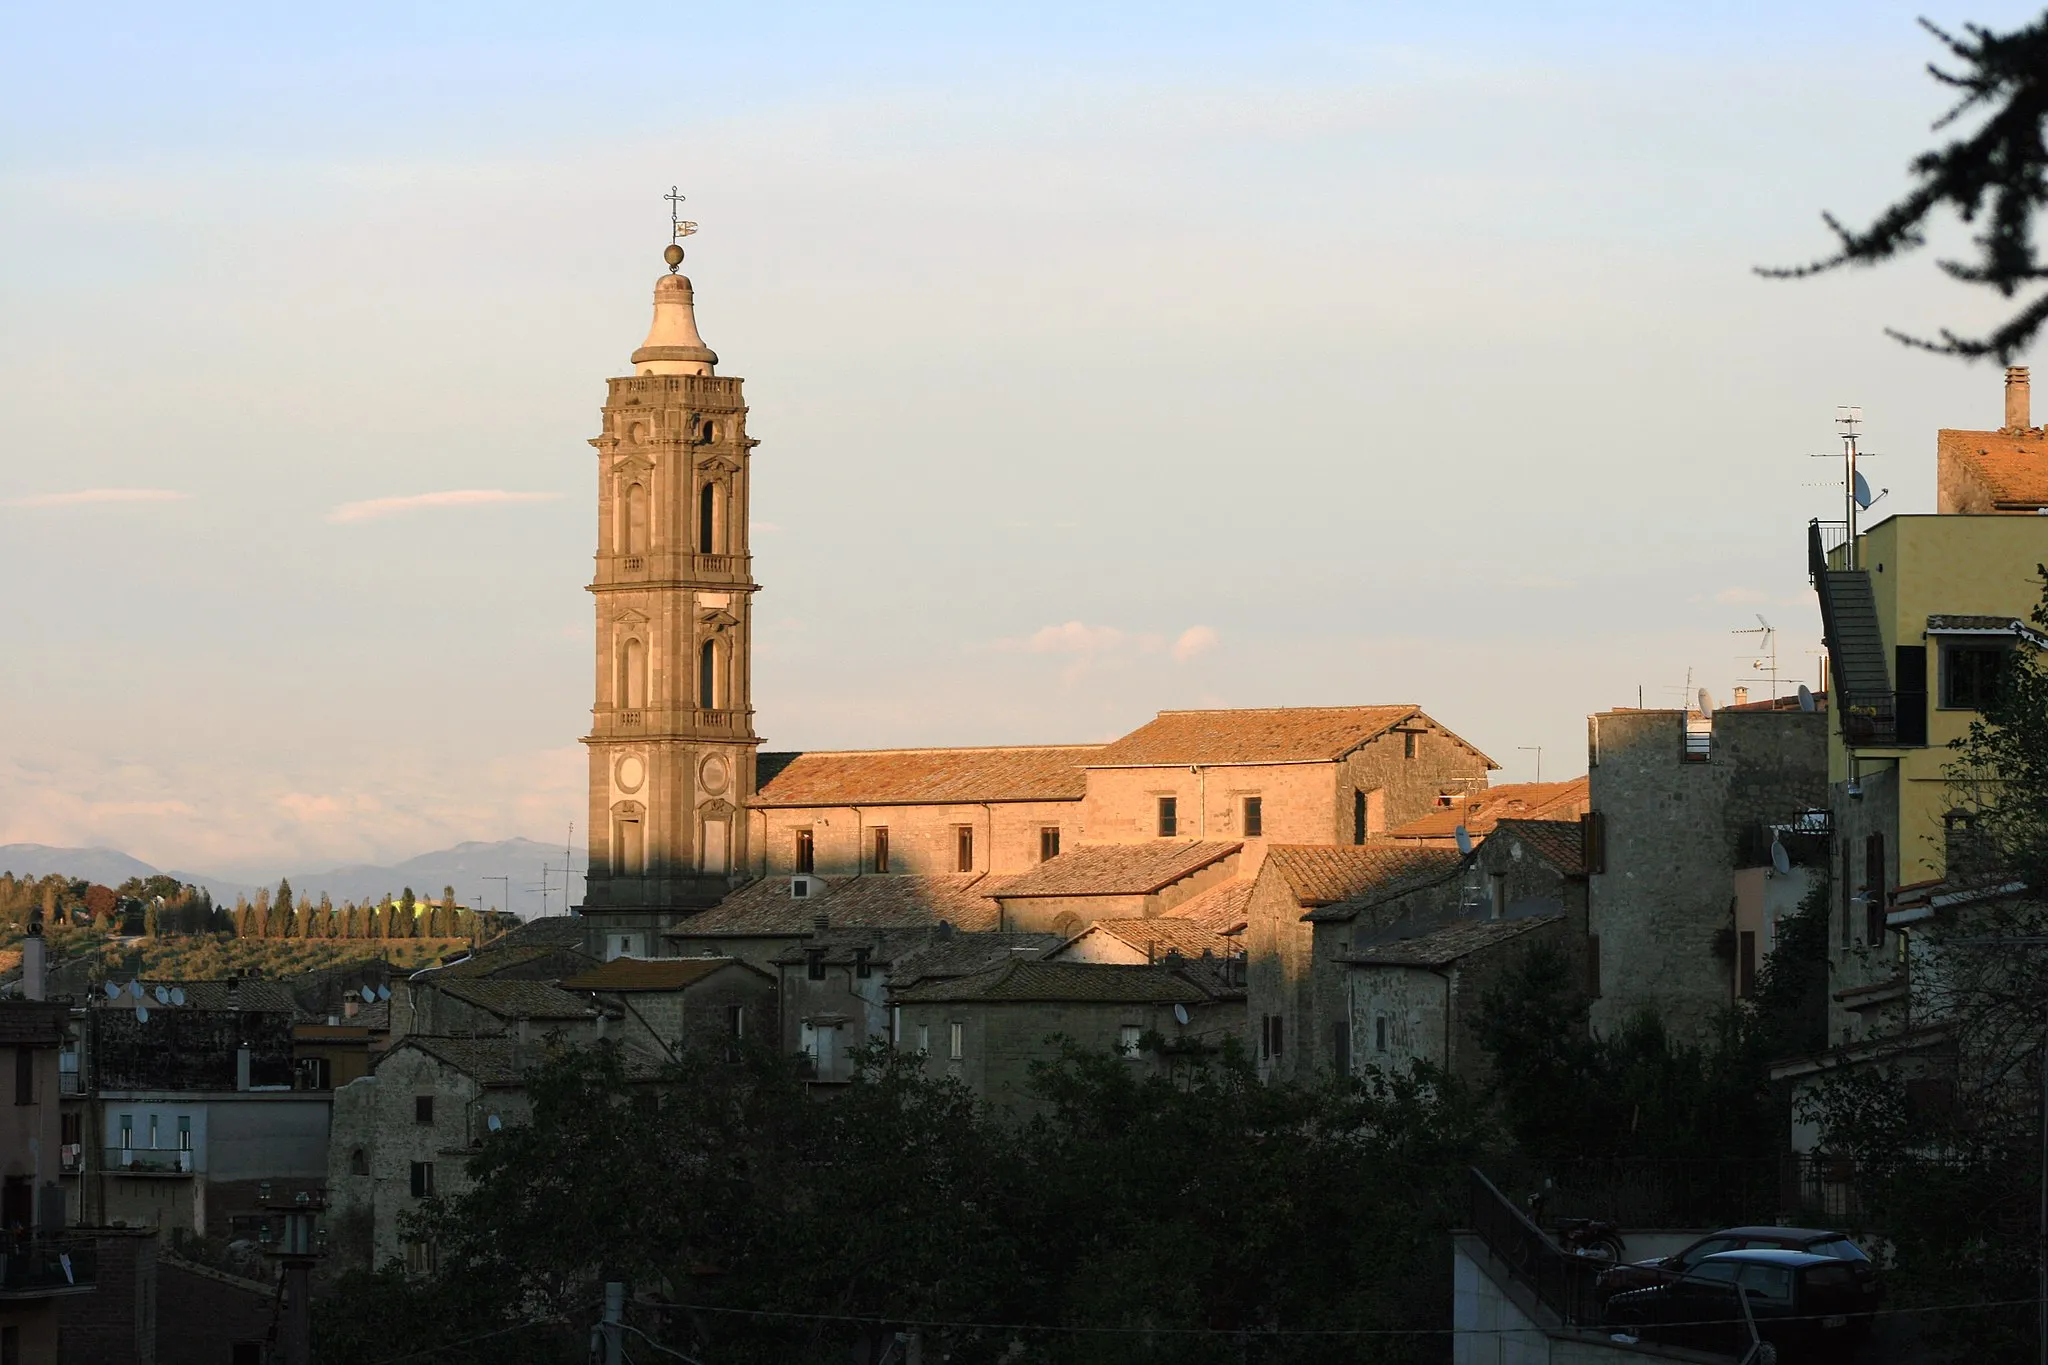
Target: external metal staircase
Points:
(1859, 682)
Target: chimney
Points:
(34, 971)
(1742, 696)
(2018, 408)
(822, 925)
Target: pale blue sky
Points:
(1412, 351)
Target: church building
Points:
(699, 843)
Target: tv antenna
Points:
(1856, 494)
(1525, 748)
(1767, 645)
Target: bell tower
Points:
(672, 738)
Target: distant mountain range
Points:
(473, 869)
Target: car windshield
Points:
(1841, 1248)
(1699, 1251)
(1773, 1282)
(1717, 1272)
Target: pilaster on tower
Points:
(672, 738)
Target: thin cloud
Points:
(1072, 637)
(372, 508)
(87, 495)
(1194, 640)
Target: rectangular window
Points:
(1270, 1036)
(422, 1179)
(1910, 701)
(24, 1075)
(184, 1132)
(735, 1022)
(1379, 1033)
(924, 1039)
(1497, 893)
(1745, 963)
(1254, 817)
(956, 1040)
(1970, 674)
(420, 1258)
(1127, 1039)
(1408, 740)
(963, 848)
(1873, 890)
(1048, 843)
(127, 1131)
(1357, 816)
(1169, 816)
(422, 1108)
(806, 852)
(863, 963)
(881, 863)
(153, 1143)
(71, 1129)
(814, 964)
(1593, 841)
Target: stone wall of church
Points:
(923, 840)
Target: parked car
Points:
(1664, 1269)
(1805, 1306)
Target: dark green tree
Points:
(1994, 178)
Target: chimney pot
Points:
(2018, 406)
(821, 924)
(1742, 696)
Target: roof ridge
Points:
(1243, 710)
(939, 749)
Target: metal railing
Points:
(152, 1161)
(1823, 539)
(1645, 1192)
(1565, 1284)
(34, 1265)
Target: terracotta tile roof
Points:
(1061, 982)
(32, 1023)
(495, 961)
(1221, 909)
(2012, 465)
(260, 995)
(651, 974)
(1986, 625)
(1325, 874)
(1441, 947)
(502, 1063)
(1477, 811)
(1278, 734)
(1117, 869)
(955, 955)
(561, 930)
(1163, 934)
(515, 999)
(765, 909)
(1561, 843)
(910, 777)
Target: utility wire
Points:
(466, 1341)
(939, 1325)
(667, 1350)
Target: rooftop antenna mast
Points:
(1856, 494)
(1767, 645)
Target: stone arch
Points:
(633, 519)
(709, 688)
(633, 673)
(629, 839)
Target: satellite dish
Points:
(1805, 698)
(142, 1014)
(383, 992)
(1781, 861)
(1180, 1016)
(177, 995)
(1464, 837)
(1706, 702)
(163, 995)
(113, 991)
(494, 1123)
(1863, 497)
(135, 989)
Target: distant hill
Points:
(105, 865)
(473, 869)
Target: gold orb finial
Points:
(673, 254)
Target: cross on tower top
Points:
(678, 226)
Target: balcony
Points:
(171, 1162)
(721, 566)
(39, 1269)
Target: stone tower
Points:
(672, 731)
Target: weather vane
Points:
(678, 228)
